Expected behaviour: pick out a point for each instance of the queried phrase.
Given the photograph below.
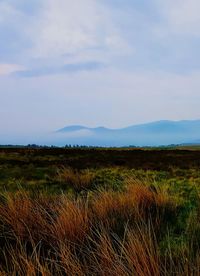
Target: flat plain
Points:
(99, 211)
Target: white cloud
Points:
(6, 69)
(181, 16)
(61, 32)
(78, 27)
(6, 11)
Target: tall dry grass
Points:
(109, 233)
(71, 223)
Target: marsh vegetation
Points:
(99, 212)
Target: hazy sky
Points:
(97, 62)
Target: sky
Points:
(109, 63)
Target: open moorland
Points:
(99, 211)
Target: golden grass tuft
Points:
(71, 223)
(79, 180)
(136, 202)
(26, 218)
(69, 261)
(109, 260)
(141, 252)
(15, 213)
(112, 208)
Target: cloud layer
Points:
(97, 62)
(59, 33)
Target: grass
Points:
(78, 180)
(73, 230)
(110, 233)
(100, 220)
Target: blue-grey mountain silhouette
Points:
(151, 134)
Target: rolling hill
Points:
(151, 134)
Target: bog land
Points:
(95, 211)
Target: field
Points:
(99, 211)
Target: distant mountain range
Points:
(150, 134)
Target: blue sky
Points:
(97, 62)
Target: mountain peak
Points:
(72, 128)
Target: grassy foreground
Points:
(99, 212)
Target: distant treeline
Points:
(69, 146)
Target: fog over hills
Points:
(151, 134)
